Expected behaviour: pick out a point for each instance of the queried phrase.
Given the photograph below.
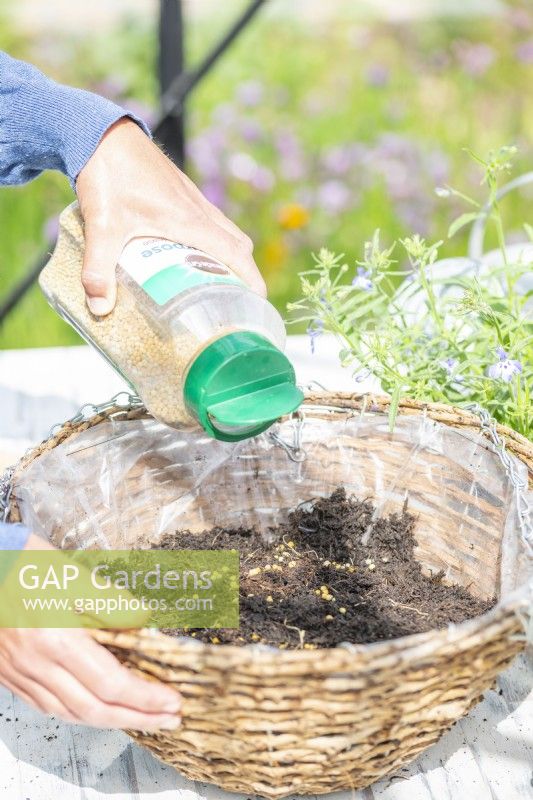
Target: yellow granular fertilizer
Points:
(153, 361)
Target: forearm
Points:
(45, 125)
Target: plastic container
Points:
(192, 340)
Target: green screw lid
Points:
(239, 385)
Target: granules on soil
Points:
(315, 584)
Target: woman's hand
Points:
(65, 672)
(130, 188)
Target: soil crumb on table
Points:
(316, 585)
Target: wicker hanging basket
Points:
(279, 722)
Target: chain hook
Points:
(295, 451)
(125, 400)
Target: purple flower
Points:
(362, 376)
(438, 166)
(51, 229)
(450, 366)
(251, 130)
(250, 93)
(339, 159)
(333, 196)
(403, 165)
(504, 369)
(293, 169)
(205, 152)
(377, 75)
(292, 160)
(287, 143)
(520, 18)
(524, 52)
(215, 191)
(263, 179)
(362, 280)
(245, 168)
(224, 114)
(242, 166)
(315, 329)
(415, 214)
(475, 58)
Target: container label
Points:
(164, 269)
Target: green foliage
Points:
(437, 338)
(399, 99)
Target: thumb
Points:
(102, 251)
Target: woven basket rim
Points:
(366, 402)
(504, 615)
(415, 647)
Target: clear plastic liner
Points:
(123, 484)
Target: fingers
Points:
(129, 188)
(102, 251)
(222, 241)
(234, 251)
(38, 543)
(66, 673)
(211, 210)
(100, 672)
(37, 697)
(200, 224)
(219, 237)
(87, 707)
(58, 693)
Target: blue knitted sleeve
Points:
(45, 125)
(13, 537)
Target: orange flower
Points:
(293, 216)
(275, 254)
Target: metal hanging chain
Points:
(125, 401)
(122, 402)
(487, 426)
(6, 486)
(520, 485)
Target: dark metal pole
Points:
(173, 97)
(176, 84)
(22, 287)
(171, 64)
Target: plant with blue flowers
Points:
(446, 334)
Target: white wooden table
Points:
(487, 756)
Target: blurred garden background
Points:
(314, 129)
